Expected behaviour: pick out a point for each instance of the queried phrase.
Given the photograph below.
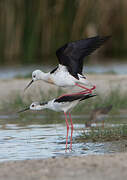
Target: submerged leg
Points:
(72, 127)
(67, 130)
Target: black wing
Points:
(72, 54)
(74, 97)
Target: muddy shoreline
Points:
(92, 167)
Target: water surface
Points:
(20, 140)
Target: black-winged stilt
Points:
(65, 104)
(69, 71)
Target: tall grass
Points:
(31, 30)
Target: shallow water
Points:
(20, 141)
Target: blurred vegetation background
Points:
(32, 30)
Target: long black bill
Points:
(29, 84)
(24, 110)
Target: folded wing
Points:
(74, 98)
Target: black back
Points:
(72, 54)
(71, 98)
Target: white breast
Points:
(62, 77)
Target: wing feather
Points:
(74, 97)
(72, 54)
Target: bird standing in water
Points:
(65, 104)
(69, 70)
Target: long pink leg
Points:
(72, 127)
(90, 90)
(82, 92)
(67, 130)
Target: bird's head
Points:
(36, 75)
(35, 106)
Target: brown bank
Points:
(92, 167)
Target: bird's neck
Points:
(41, 107)
(44, 76)
(48, 105)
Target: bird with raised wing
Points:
(69, 70)
(65, 104)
